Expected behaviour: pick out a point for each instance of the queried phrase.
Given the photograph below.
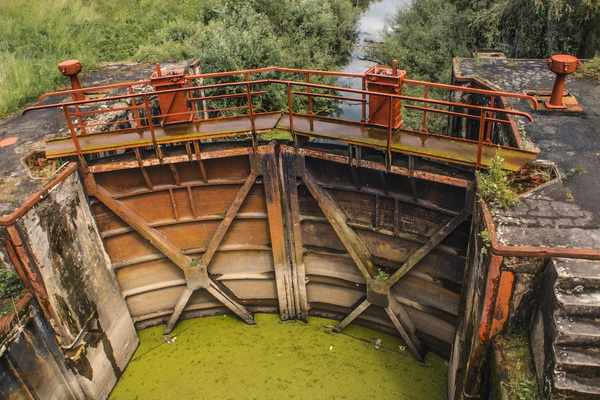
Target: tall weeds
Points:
(36, 35)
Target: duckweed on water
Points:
(223, 358)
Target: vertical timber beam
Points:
(283, 278)
(293, 229)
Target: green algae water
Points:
(224, 358)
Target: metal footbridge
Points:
(172, 107)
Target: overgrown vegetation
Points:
(10, 284)
(589, 70)
(381, 276)
(425, 34)
(10, 288)
(494, 184)
(223, 35)
(522, 382)
(486, 241)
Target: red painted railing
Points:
(84, 117)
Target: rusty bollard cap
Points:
(563, 63)
(70, 67)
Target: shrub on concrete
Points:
(494, 184)
(10, 283)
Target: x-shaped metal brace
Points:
(195, 271)
(378, 293)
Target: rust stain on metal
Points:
(385, 80)
(71, 68)
(429, 176)
(490, 295)
(173, 105)
(502, 306)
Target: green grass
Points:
(522, 382)
(224, 358)
(224, 35)
(589, 70)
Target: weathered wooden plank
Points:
(196, 276)
(352, 316)
(427, 247)
(294, 232)
(173, 168)
(221, 229)
(355, 177)
(405, 326)
(336, 217)
(144, 173)
(192, 203)
(283, 278)
(154, 236)
(200, 162)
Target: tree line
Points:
(425, 35)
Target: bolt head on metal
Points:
(70, 67)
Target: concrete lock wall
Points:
(466, 343)
(32, 366)
(91, 323)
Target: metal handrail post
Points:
(424, 127)
(364, 103)
(482, 121)
(151, 127)
(251, 111)
(74, 135)
(308, 90)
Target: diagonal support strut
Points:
(403, 323)
(196, 276)
(352, 316)
(336, 217)
(433, 241)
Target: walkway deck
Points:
(439, 147)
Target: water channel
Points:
(224, 358)
(371, 25)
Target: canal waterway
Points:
(224, 358)
(371, 26)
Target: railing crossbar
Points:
(487, 115)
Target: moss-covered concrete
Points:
(512, 368)
(224, 358)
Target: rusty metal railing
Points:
(137, 109)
